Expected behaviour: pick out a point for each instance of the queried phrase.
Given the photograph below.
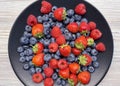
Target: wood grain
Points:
(9, 11)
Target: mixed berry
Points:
(59, 47)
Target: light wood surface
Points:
(9, 11)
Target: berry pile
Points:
(59, 47)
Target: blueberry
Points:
(43, 75)
(58, 81)
(46, 31)
(28, 28)
(56, 56)
(88, 34)
(91, 69)
(58, 53)
(63, 82)
(72, 19)
(66, 31)
(78, 35)
(46, 25)
(78, 22)
(84, 20)
(45, 18)
(72, 43)
(46, 42)
(52, 24)
(50, 20)
(94, 45)
(57, 70)
(41, 40)
(20, 49)
(68, 36)
(54, 8)
(48, 36)
(54, 76)
(38, 70)
(63, 29)
(47, 57)
(22, 59)
(88, 49)
(84, 68)
(44, 66)
(26, 34)
(22, 54)
(73, 37)
(46, 51)
(28, 52)
(51, 15)
(94, 58)
(84, 52)
(24, 40)
(25, 47)
(52, 39)
(33, 40)
(32, 71)
(27, 58)
(26, 66)
(39, 18)
(66, 21)
(77, 17)
(70, 12)
(96, 64)
(53, 55)
(31, 64)
(71, 58)
(94, 52)
(59, 24)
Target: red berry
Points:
(53, 63)
(48, 71)
(62, 64)
(64, 73)
(92, 25)
(53, 47)
(73, 80)
(31, 20)
(56, 32)
(95, 34)
(46, 7)
(80, 9)
(61, 40)
(48, 82)
(100, 47)
(73, 27)
(37, 78)
(76, 51)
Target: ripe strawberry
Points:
(60, 40)
(85, 60)
(38, 48)
(53, 63)
(38, 60)
(53, 47)
(45, 7)
(84, 28)
(74, 68)
(64, 73)
(100, 47)
(73, 27)
(90, 41)
(76, 51)
(31, 20)
(81, 43)
(37, 77)
(80, 9)
(92, 25)
(48, 72)
(73, 80)
(37, 30)
(84, 77)
(95, 34)
(56, 32)
(62, 64)
(60, 14)
(65, 50)
(48, 82)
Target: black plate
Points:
(92, 14)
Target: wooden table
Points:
(9, 11)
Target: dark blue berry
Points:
(91, 69)
(48, 36)
(54, 76)
(68, 36)
(26, 34)
(28, 52)
(22, 54)
(72, 43)
(41, 40)
(46, 51)
(47, 57)
(31, 64)
(54, 8)
(43, 75)
(94, 45)
(45, 18)
(70, 12)
(63, 82)
(88, 49)
(94, 58)
(59, 24)
(58, 81)
(84, 68)
(33, 40)
(94, 52)
(72, 19)
(73, 37)
(39, 18)
(84, 20)
(32, 71)
(52, 39)
(22, 59)
(66, 21)
(96, 64)
(78, 35)
(26, 66)
(20, 49)
(38, 70)
(52, 24)
(58, 53)
(46, 42)
(71, 58)
(24, 40)
(78, 17)
(28, 28)
(44, 66)
(56, 56)
(46, 25)
(66, 31)
(51, 15)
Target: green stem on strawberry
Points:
(64, 45)
(79, 46)
(64, 14)
(90, 41)
(71, 82)
(82, 60)
(39, 35)
(84, 32)
(35, 48)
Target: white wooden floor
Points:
(10, 9)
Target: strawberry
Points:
(56, 32)
(38, 60)
(48, 72)
(73, 27)
(62, 64)
(37, 30)
(64, 73)
(80, 9)
(31, 20)
(37, 77)
(60, 14)
(38, 48)
(48, 82)
(53, 47)
(73, 80)
(84, 28)
(60, 40)
(45, 7)
(65, 50)
(95, 34)
(53, 63)
(84, 77)
(90, 41)
(100, 47)
(76, 51)
(74, 68)
(81, 43)
(85, 60)
(92, 25)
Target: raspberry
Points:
(53, 63)
(48, 82)
(37, 78)
(80, 9)
(56, 32)
(31, 20)
(48, 71)
(100, 47)
(61, 40)
(92, 25)
(62, 64)
(53, 47)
